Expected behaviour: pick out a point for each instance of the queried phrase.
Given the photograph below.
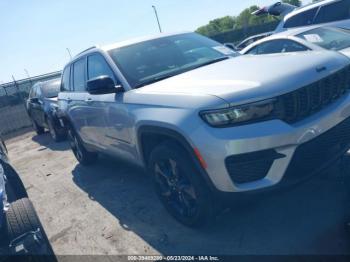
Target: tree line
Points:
(244, 20)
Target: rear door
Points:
(40, 108)
(34, 105)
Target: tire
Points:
(14, 186)
(38, 129)
(179, 186)
(21, 218)
(56, 135)
(83, 156)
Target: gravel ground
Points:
(110, 208)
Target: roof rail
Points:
(95, 46)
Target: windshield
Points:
(153, 60)
(328, 38)
(51, 89)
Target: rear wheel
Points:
(55, 133)
(83, 156)
(22, 219)
(38, 129)
(179, 186)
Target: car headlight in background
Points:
(240, 115)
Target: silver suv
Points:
(204, 120)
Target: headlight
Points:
(240, 115)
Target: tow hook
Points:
(29, 242)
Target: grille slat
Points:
(305, 101)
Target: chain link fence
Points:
(13, 96)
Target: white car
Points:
(312, 38)
(327, 12)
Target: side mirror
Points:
(231, 46)
(101, 85)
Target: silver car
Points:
(326, 12)
(206, 121)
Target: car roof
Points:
(308, 7)
(297, 30)
(291, 33)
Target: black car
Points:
(21, 232)
(42, 106)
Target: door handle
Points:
(88, 100)
(69, 100)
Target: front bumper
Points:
(294, 150)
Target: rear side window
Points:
(79, 75)
(65, 79)
(97, 66)
(277, 46)
(334, 12)
(302, 19)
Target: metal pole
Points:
(156, 13)
(30, 79)
(70, 54)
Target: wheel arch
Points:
(149, 136)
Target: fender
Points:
(148, 129)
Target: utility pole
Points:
(156, 13)
(69, 53)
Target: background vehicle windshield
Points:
(153, 60)
(328, 38)
(51, 89)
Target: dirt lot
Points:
(110, 208)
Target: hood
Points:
(248, 78)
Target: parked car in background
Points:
(314, 38)
(21, 232)
(327, 12)
(204, 120)
(42, 108)
(251, 40)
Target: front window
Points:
(328, 38)
(302, 19)
(151, 61)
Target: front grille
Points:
(299, 104)
(314, 155)
(250, 167)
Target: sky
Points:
(34, 34)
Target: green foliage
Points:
(293, 2)
(244, 20)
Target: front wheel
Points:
(179, 186)
(83, 156)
